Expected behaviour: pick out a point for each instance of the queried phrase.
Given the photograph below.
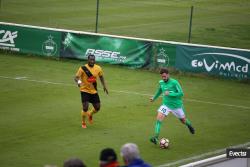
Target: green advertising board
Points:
(129, 52)
(164, 55)
(132, 53)
(227, 63)
(30, 40)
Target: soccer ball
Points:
(164, 143)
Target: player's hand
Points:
(79, 83)
(106, 90)
(167, 93)
(151, 99)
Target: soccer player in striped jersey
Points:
(85, 78)
(172, 94)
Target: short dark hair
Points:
(164, 70)
(91, 55)
(74, 162)
(108, 155)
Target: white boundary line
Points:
(202, 156)
(191, 100)
(121, 91)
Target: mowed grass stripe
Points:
(123, 91)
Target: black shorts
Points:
(92, 98)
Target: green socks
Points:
(188, 123)
(157, 128)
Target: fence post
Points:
(97, 15)
(190, 24)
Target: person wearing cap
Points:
(85, 78)
(108, 158)
(131, 156)
(172, 94)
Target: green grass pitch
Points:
(40, 105)
(40, 114)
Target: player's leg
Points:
(85, 106)
(92, 111)
(96, 108)
(162, 113)
(95, 100)
(180, 113)
(187, 122)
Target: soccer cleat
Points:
(84, 125)
(90, 118)
(191, 129)
(154, 140)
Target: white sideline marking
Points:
(202, 156)
(220, 104)
(191, 100)
(20, 77)
(32, 80)
(122, 91)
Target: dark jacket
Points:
(111, 164)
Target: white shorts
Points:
(179, 113)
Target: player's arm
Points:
(157, 94)
(77, 78)
(78, 81)
(103, 84)
(178, 93)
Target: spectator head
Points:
(107, 155)
(129, 152)
(74, 162)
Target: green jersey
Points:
(174, 99)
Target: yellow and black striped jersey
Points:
(86, 85)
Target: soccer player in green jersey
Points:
(172, 102)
